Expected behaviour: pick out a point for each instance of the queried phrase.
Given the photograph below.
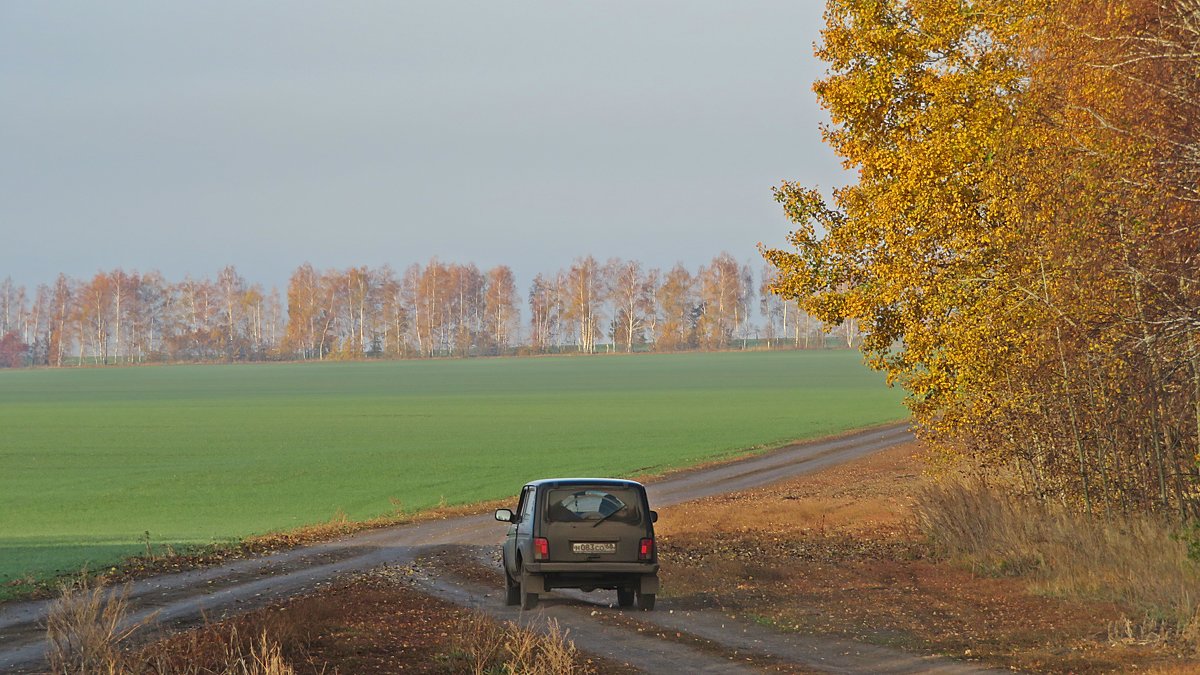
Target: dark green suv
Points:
(585, 533)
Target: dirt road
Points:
(181, 599)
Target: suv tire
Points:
(625, 597)
(645, 601)
(528, 600)
(512, 591)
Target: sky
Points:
(185, 137)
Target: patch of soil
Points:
(384, 628)
(462, 562)
(371, 624)
(359, 627)
(836, 553)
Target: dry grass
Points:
(86, 628)
(483, 645)
(216, 653)
(1138, 562)
(89, 628)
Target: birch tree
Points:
(677, 305)
(631, 292)
(724, 297)
(584, 300)
(501, 307)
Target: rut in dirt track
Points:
(184, 598)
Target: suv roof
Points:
(564, 482)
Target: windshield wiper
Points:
(610, 515)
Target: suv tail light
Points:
(541, 548)
(646, 550)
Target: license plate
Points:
(593, 547)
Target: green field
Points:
(90, 459)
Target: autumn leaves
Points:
(1021, 245)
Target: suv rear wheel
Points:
(645, 601)
(528, 600)
(512, 590)
(625, 597)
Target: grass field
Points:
(90, 459)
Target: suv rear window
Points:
(575, 504)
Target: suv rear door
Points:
(594, 523)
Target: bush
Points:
(12, 351)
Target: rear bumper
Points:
(543, 577)
(591, 568)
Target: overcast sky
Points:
(187, 136)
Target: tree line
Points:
(438, 309)
(1022, 247)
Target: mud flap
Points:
(649, 584)
(533, 583)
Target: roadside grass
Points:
(482, 645)
(101, 464)
(86, 628)
(1140, 562)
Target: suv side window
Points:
(526, 507)
(521, 503)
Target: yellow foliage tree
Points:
(1020, 247)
